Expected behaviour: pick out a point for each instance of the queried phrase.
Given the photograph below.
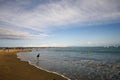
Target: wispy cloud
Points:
(13, 34)
(53, 13)
(60, 12)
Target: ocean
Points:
(77, 63)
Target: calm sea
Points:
(78, 63)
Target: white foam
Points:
(45, 69)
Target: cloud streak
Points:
(53, 13)
(60, 13)
(13, 34)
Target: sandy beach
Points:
(11, 68)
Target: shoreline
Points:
(44, 69)
(12, 68)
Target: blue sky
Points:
(48, 23)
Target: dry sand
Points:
(11, 68)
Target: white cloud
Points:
(13, 34)
(60, 13)
(26, 14)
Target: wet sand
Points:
(11, 68)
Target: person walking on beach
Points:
(37, 62)
(38, 55)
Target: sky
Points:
(59, 23)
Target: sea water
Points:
(77, 63)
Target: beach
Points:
(12, 68)
(77, 63)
